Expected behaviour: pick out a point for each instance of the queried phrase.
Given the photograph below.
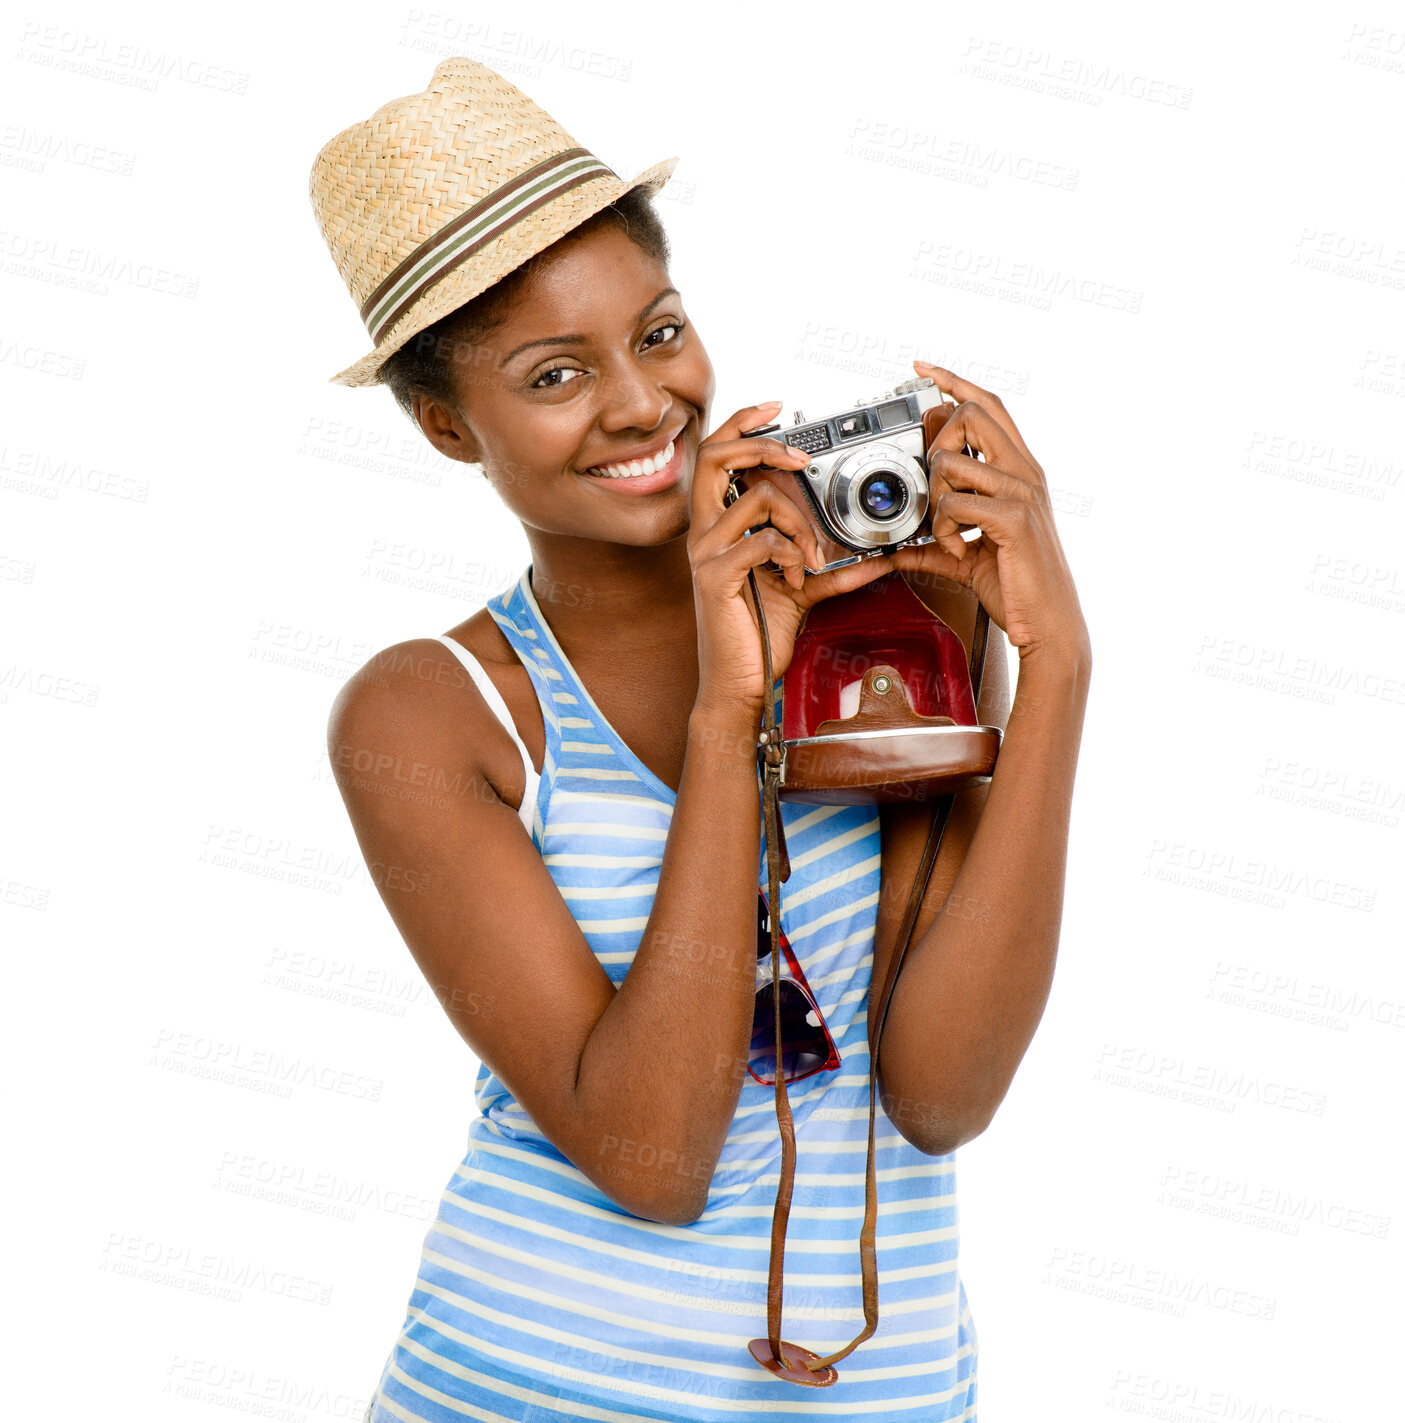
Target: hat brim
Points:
(533, 235)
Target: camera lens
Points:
(882, 495)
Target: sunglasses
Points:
(806, 1046)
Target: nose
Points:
(634, 397)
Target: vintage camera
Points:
(865, 489)
(880, 700)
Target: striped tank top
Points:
(537, 1297)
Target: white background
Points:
(1174, 245)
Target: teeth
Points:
(634, 468)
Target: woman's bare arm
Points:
(975, 983)
(637, 1087)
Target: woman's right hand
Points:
(731, 673)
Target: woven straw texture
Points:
(383, 187)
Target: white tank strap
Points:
(493, 697)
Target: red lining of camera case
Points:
(914, 733)
(881, 622)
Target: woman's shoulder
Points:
(418, 699)
(482, 636)
(420, 673)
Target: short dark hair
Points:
(424, 364)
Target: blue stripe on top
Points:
(538, 1297)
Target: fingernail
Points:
(770, 405)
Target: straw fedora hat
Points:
(438, 195)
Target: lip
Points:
(646, 483)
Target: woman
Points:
(576, 869)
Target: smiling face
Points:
(586, 402)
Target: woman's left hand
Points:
(1016, 567)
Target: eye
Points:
(544, 381)
(669, 331)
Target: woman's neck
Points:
(614, 599)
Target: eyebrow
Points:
(576, 340)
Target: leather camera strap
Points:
(786, 1360)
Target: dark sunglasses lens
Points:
(806, 1046)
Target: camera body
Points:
(865, 490)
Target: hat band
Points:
(473, 229)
